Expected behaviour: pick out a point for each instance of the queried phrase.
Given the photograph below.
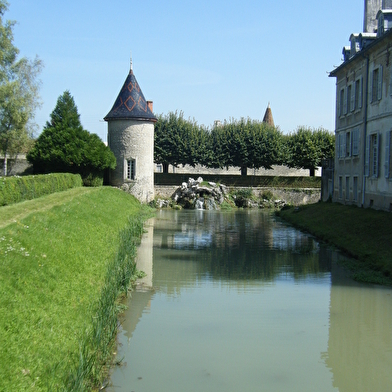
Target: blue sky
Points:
(213, 60)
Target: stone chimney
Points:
(150, 104)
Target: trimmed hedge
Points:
(241, 181)
(17, 189)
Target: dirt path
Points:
(15, 212)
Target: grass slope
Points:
(53, 264)
(364, 234)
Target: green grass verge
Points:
(364, 234)
(63, 263)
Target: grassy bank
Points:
(364, 234)
(63, 263)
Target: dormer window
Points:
(354, 44)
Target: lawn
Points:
(56, 254)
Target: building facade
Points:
(131, 138)
(363, 125)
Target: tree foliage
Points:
(245, 143)
(179, 141)
(18, 92)
(306, 148)
(64, 146)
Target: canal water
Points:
(241, 301)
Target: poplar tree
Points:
(18, 93)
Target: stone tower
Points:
(131, 138)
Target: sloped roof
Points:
(130, 103)
(268, 116)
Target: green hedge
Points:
(17, 189)
(241, 181)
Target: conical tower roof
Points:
(130, 103)
(268, 116)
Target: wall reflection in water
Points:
(250, 251)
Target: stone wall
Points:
(277, 170)
(15, 166)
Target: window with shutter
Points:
(373, 154)
(379, 87)
(355, 142)
(374, 87)
(341, 102)
(387, 167)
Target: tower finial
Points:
(131, 63)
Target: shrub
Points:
(17, 189)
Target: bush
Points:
(267, 195)
(65, 147)
(17, 189)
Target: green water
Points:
(239, 301)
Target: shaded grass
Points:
(54, 269)
(364, 234)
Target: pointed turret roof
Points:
(268, 116)
(130, 103)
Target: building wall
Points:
(133, 140)
(373, 122)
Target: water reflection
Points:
(241, 301)
(360, 335)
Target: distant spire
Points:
(268, 119)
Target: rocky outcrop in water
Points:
(201, 195)
(195, 194)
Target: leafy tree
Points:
(64, 146)
(18, 93)
(308, 147)
(179, 141)
(251, 144)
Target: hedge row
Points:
(241, 181)
(17, 189)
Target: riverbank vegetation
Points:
(64, 260)
(363, 234)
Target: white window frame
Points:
(372, 155)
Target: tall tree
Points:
(18, 92)
(64, 146)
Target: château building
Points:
(363, 123)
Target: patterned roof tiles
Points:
(130, 103)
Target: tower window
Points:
(130, 169)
